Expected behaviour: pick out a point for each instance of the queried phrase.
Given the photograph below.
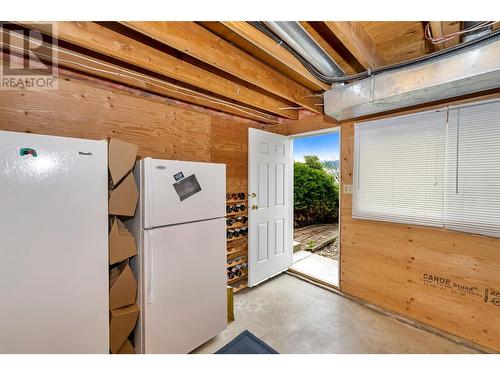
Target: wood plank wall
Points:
(161, 129)
(387, 264)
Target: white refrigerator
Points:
(53, 244)
(180, 229)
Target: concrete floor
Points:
(294, 316)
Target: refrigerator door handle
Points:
(150, 289)
(149, 194)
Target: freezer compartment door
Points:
(185, 302)
(180, 192)
(53, 245)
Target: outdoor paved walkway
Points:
(315, 235)
(310, 260)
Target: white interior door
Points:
(269, 212)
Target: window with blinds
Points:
(436, 168)
(399, 169)
(472, 188)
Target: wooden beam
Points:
(348, 69)
(354, 37)
(441, 28)
(76, 61)
(111, 43)
(198, 42)
(308, 124)
(266, 44)
(219, 29)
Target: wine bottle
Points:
(236, 271)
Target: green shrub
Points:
(316, 195)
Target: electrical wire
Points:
(445, 38)
(354, 77)
(140, 77)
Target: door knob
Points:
(254, 206)
(254, 195)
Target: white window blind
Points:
(472, 188)
(399, 169)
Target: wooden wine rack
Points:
(237, 247)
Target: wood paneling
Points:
(387, 264)
(79, 110)
(230, 146)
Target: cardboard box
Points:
(126, 348)
(121, 159)
(123, 199)
(123, 286)
(121, 243)
(122, 322)
(122, 228)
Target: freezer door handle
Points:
(150, 270)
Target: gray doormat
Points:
(246, 343)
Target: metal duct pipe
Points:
(474, 34)
(293, 34)
(463, 72)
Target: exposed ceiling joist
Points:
(354, 37)
(266, 44)
(398, 41)
(198, 42)
(328, 48)
(111, 43)
(78, 62)
(236, 40)
(442, 28)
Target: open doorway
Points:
(316, 184)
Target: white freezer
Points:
(53, 245)
(200, 194)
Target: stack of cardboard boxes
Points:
(123, 197)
